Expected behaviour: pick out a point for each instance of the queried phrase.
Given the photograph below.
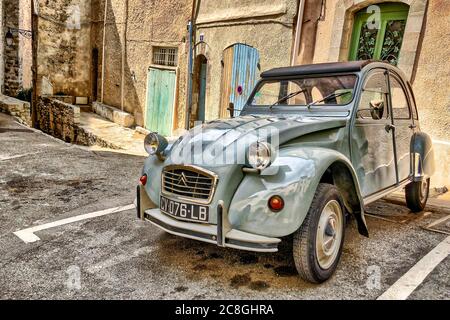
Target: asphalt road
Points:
(116, 256)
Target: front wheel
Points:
(416, 194)
(317, 245)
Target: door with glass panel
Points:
(378, 32)
(372, 145)
(403, 126)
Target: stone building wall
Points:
(64, 49)
(149, 23)
(266, 25)
(431, 80)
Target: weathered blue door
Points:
(160, 100)
(240, 74)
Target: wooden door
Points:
(240, 74)
(160, 100)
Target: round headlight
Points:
(155, 143)
(260, 155)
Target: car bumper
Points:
(215, 234)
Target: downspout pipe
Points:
(103, 51)
(124, 55)
(191, 30)
(298, 31)
(190, 75)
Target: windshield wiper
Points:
(287, 97)
(328, 97)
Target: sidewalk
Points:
(101, 134)
(440, 203)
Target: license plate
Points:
(187, 211)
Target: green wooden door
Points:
(379, 37)
(160, 100)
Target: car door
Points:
(372, 145)
(403, 128)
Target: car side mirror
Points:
(231, 109)
(376, 109)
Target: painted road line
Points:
(404, 286)
(28, 236)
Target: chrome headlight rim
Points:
(155, 144)
(259, 155)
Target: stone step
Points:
(113, 114)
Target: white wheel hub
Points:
(329, 234)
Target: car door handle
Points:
(412, 126)
(389, 127)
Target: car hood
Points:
(229, 138)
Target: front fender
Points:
(299, 173)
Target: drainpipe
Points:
(298, 31)
(103, 51)
(191, 28)
(190, 76)
(124, 55)
(34, 48)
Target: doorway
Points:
(199, 89)
(94, 75)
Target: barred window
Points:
(165, 56)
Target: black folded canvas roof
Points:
(318, 68)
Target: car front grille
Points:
(188, 182)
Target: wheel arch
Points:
(340, 173)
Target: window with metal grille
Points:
(165, 56)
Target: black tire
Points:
(304, 243)
(416, 194)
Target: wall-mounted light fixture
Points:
(9, 37)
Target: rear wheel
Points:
(416, 194)
(317, 245)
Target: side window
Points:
(372, 104)
(400, 107)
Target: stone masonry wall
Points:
(58, 119)
(17, 108)
(12, 63)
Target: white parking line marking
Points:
(404, 286)
(28, 236)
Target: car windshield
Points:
(305, 91)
